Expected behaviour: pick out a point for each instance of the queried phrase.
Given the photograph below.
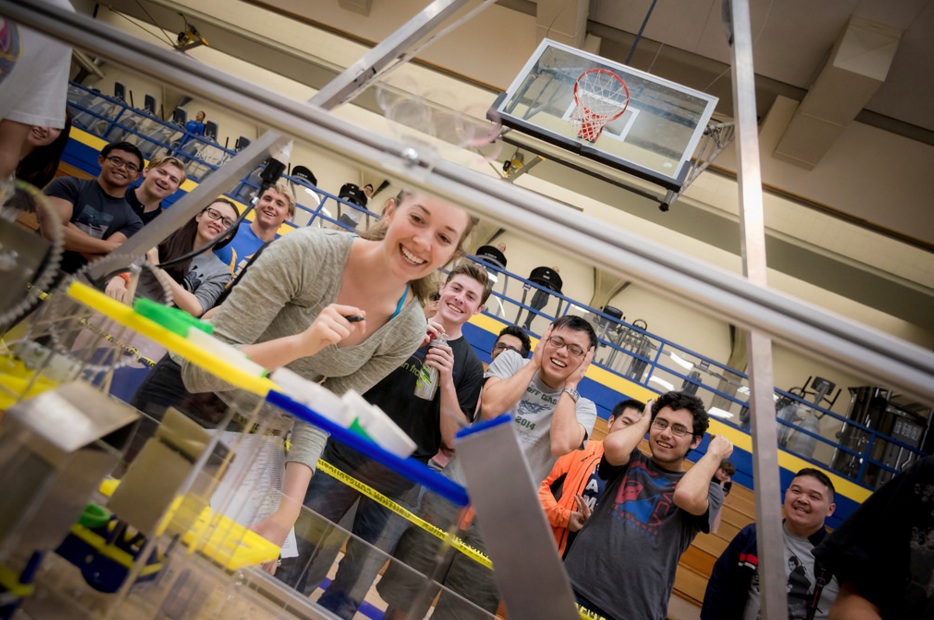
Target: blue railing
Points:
(627, 350)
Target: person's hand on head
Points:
(720, 447)
(578, 375)
(538, 355)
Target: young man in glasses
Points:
(94, 212)
(623, 561)
(512, 338)
(161, 178)
(274, 207)
(569, 493)
(551, 418)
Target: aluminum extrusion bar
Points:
(526, 563)
(360, 74)
(772, 579)
(816, 332)
(350, 82)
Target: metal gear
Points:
(26, 271)
(71, 324)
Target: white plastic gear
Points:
(16, 198)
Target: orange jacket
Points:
(576, 468)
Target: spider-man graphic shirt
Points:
(624, 559)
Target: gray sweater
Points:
(280, 295)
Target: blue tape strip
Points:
(415, 471)
(478, 427)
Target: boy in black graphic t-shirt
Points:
(96, 216)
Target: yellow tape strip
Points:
(384, 501)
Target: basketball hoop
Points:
(600, 96)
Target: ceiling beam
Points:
(856, 69)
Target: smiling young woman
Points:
(195, 284)
(291, 306)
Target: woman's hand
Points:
(153, 256)
(332, 325)
(275, 528)
(116, 289)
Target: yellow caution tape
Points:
(384, 501)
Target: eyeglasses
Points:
(676, 429)
(502, 346)
(118, 162)
(573, 349)
(214, 214)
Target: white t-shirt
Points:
(35, 90)
(532, 414)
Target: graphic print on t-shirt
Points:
(639, 504)
(594, 488)
(93, 222)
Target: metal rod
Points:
(881, 357)
(769, 536)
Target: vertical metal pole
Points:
(772, 577)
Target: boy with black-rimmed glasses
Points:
(95, 215)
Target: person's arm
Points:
(329, 327)
(850, 605)
(13, 146)
(619, 445)
(184, 300)
(691, 493)
(275, 528)
(500, 395)
(76, 239)
(458, 400)
(556, 513)
(452, 418)
(567, 433)
(728, 586)
(276, 280)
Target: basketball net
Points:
(600, 96)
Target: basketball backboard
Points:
(653, 139)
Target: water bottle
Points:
(426, 384)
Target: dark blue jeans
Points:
(319, 541)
